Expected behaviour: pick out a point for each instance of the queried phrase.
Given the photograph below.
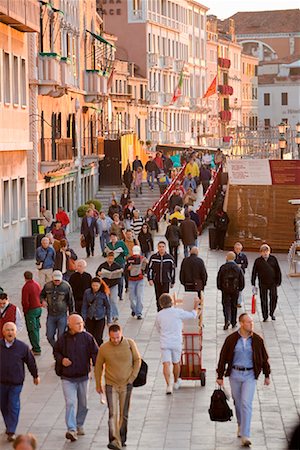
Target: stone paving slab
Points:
(180, 421)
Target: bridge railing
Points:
(208, 199)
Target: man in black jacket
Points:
(89, 230)
(14, 354)
(193, 273)
(230, 281)
(73, 353)
(161, 272)
(175, 200)
(267, 269)
(152, 170)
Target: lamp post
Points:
(297, 138)
(282, 140)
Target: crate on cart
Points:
(191, 356)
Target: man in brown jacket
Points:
(242, 358)
(189, 233)
(122, 362)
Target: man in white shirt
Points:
(169, 325)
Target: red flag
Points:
(253, 304)
(212, 88)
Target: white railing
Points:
(49, 69)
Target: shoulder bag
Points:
(141, 378)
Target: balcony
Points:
(165, 137)
(225, 116)
(22, 15)
(92, 149)
(152, 59)
(95, 85)
(178, 65)
(167, 98)
(143, 102)
(194, 104)
(153, 97)
(183, 101)
(225, 89)
(55, 153)
(168, 62)
(67, 73)
(224, 63)
(155, 136)
(49, 74)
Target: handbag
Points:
(82, 242)
(141, 378)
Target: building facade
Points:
(17, 19)
(171, 54)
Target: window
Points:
(14, 209)
(16, 81)
(23, 83)
(5, 202)
(22, 198)
(267, 124)
(284, 98)
(6, 77)
(267, 99)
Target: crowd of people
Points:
(79, 305)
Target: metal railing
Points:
(56, 149)
(208, 199)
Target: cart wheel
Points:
(203, 378)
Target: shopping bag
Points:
(253, 304)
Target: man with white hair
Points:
(136, 266)
(74, 372)
(45, 259)
(267, 269)
(14, 354)
(231, 282)
(80, 281)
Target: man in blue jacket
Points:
(73, 353)
(13, 355)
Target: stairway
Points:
(144, 201)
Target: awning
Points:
(100, 38)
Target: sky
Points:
(224, 9)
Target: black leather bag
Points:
(219, 410)
(141, 378)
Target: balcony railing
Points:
(23, 15)
(49, 73)
(93, 146)
(225, 89)
(167, 98)
(153, 59)
(67, 73)
(224, 63)
(95, 85)
(153, 97)
(225, 116)
(56, 150)
(183, 101)
(65, 149)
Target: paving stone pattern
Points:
(180, 421)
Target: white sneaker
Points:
(178, 384)
(169, 389)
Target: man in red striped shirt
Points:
(32, 310)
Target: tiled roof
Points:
(286, 60)
(258, 22)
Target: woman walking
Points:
(146, 241)
(173, 236)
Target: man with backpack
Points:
(231, 282)
(243, 357)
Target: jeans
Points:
(55, 324)
(136, 293)
(113, 297)
(188, 247)
(10, 405)
(32, 320)
(75, 394)
(151, 179)
(118, 401)
(174, 252)
(240, 299)
(104, 240)
(263, 292)
(229, 302)
(243, 386)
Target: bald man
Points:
(14, 354)
(73, 353)
(231, 282)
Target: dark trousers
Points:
(32, 319)
(160, 288)
(96, 328)
(121, 283)
(229, 302)
(220, 238)
(174, 252)
(263, 292)
(10, 405)
(90, 244)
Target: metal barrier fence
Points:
(208, 198)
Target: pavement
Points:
(179, 421)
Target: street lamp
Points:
(282, 141)
(297, 138)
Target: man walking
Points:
(151, 169)
(47, 219)
(57, 297)
(45, 260)
(231, 282)
(104, 224)
(9, 313)
(175, 200)
(120, 253)
(267, 269)
(122, 362)
(32, 310)
(193, 273)
(73, 353)
(136, 266)
(161, 272)
(136, 164)
(89, 230)
(169, 325)
(14, 354)
(189, 233)
(242, 358)
(242, 261)
(79, 282)
(62, 216)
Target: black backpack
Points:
(230, 281)
(219, 410)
